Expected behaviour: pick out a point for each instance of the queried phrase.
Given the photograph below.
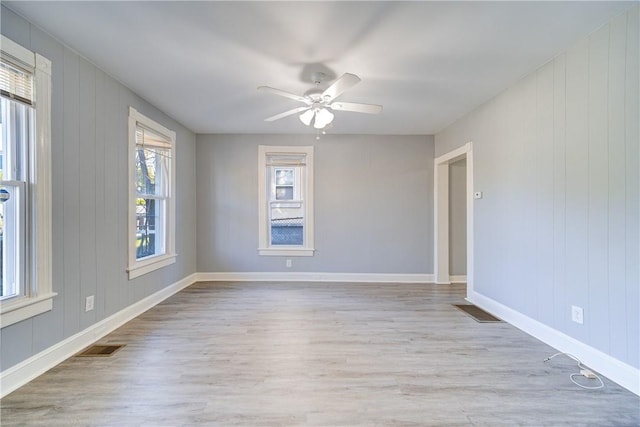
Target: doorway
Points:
(442, 205)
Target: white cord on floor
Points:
(585, 372)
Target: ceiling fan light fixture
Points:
(323, 118)
(306, 117)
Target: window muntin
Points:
(25, 158)
(152, 223)
(286, 201)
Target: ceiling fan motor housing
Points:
(314, 94)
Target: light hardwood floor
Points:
(316, 354)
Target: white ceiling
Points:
(427, 63)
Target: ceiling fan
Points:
(318, 103)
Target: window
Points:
(151, 186)
(25, 184)
(15, 123)
(286, 201)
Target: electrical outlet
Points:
(588, 374)
(88, 303)
(288, 263)
(577, 315)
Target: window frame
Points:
(138, 267)
(38, 293)
(264, 197)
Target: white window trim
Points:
(39, 293)
(137, 268)
(265, 151)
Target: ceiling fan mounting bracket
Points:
(318, 77)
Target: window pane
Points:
(287, 224)
(284, 193)
(151, 170)
(14, 127)
(284, 176)
(11, 240)
(149, 227)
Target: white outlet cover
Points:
(88, 304)
(577, 314)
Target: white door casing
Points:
(441, 214)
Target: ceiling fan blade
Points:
(339, 86)
(285, 114)
(358, 108)
(284, 93)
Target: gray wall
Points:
(557, 159)
(458, 218)
(90, 192)
(373, 204)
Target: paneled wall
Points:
(90, 192)
(373, 204)
(557, 159)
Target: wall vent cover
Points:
(478, 314)
(100, 350)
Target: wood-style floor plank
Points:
(317, 354)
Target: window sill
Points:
(286, 251)
(14, 311)
(148, 265)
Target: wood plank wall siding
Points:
(90, 199)
(557, 159)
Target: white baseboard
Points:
(314, 277)
(25, 371)
(625, 375)
(458, 279)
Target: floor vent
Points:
(100, 350)
(478, 314)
